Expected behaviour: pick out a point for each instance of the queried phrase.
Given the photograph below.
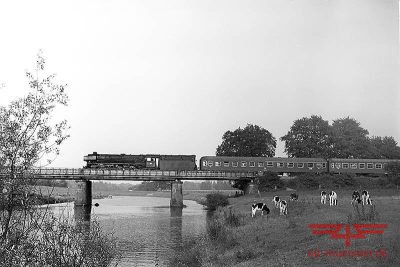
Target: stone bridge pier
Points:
(176, 194)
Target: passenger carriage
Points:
(257, 164)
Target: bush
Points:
(215, 200)
(269, 181)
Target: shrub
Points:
(215, 200)
(269, 181)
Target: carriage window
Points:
(234, 164)
(361, 165)
(300, 165)
(226, 163)
(378, 166)
(345, 165)
(261, 164)
(290, 164)
(243, 164)
(353, 166)
(252, 164)
(217, 164)
(319, 165)
(270, 164)
(310, 165)
(280, 164)
(210, 163)
(370, 165)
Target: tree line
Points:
(311, 137)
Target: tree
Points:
(308, 138)
(350, 139)
(384, 147)
(29, 136)
(252, 141)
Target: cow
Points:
(323, 197)
(332, 198)
(283, 207)
(355, 197)
(259, 206)
(364, 197)
(294, 196)
(276, 200)
(369, 201)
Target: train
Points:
(295, 165)
(145, 161)
(238, 164)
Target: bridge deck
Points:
(132, 175)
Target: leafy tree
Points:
(350, 139)
(29, 136)
(309, 137)
(251, 141)
(384, 147)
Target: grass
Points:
(235, 239)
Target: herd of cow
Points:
(281, 204)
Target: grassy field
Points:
(236, 239)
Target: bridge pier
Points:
(83, 202)
(176, 194)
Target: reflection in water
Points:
(82, 215)
(147, 230)
(176, 228)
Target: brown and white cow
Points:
(332, 198)
(283, 207)
(276, 201)
(323, 197)
(355, 197)
(365, 197)
(259, 207)
(293, 196)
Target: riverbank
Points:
(234, 238)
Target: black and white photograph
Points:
(199, 133)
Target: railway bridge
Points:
(85, 176)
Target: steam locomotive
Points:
(148, 161)
(239, 164)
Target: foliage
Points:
(215, 200)
(384, 147)
(252, 141)
(29, 137)
(350, 139)
(56, 242)
(269, 181)
(240, 184)
(152, 186)
(308, 138)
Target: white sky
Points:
(170, 77)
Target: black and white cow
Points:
(355, 197)
(294, 196)
(283, 207)
(259, 206)
(369, 201)
(323, 197)
(364, 197)
(276, 201)
(332, 198)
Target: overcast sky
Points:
(170, 77)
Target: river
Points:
(148, 231)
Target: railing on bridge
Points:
(121, 174)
